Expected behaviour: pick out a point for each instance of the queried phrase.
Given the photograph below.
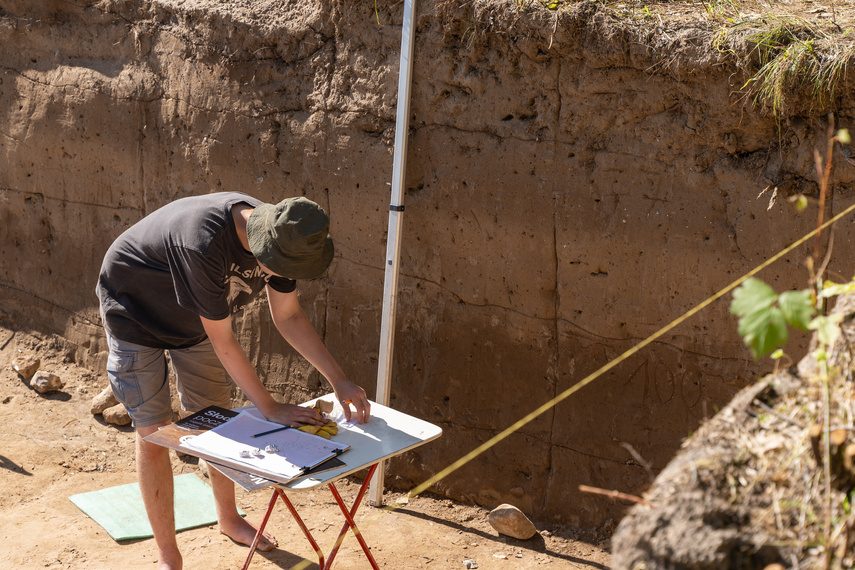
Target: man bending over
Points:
(171, 283)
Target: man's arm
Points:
(295, 327)
(234, 360)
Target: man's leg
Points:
(154, 471)
(201, 381)
(138, 377)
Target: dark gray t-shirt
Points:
(178, 263)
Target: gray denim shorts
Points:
(139, 379)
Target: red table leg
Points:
(277, 492)
(260, 530)
(349, 524)
(303, 526)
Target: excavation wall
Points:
(572, 187)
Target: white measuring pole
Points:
(393, 241)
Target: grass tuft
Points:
(797, 59)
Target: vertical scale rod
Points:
(393, 239)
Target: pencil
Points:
(271, 431)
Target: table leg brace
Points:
(349, 524)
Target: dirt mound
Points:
(751, 487)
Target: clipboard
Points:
(252, 482)
(297, 454)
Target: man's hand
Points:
(349, 394)
(294, 416)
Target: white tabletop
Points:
(388, 433)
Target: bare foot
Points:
(244, 532)
(169, 560)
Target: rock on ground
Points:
(117, 415)
(26, 367)
(102, 401)
(44, 382)
(509, 520)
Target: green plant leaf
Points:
(763, 331)
(797, 308)
(753, 295)
(762, 323)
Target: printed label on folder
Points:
(210, 417)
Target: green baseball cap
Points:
(291, 238)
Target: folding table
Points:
(388, 433)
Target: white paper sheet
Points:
(297, 451)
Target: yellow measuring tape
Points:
(605, 368)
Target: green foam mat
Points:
(121, 512)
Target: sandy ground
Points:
(52, 448)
